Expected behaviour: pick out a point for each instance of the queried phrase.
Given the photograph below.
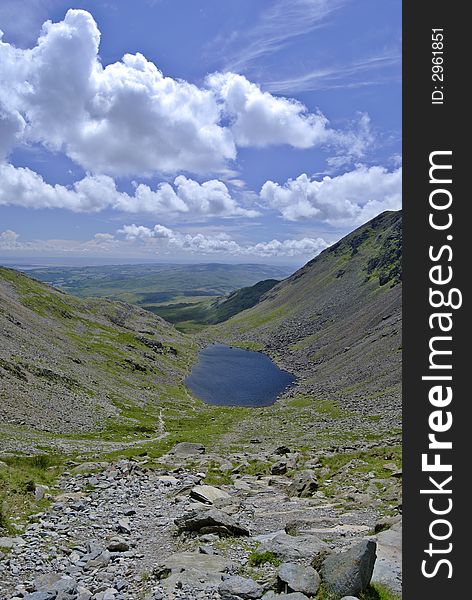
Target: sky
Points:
(196, 130)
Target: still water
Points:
(229, 376)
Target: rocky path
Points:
(122, 531)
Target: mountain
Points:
(69, 364)
(336, 322)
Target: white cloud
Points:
(23, 187)
(128, 118)
(260, 119)
(138, 240)
(348, 199)
(101, 243)
(9, 240)
(302, 247)
(221, 243)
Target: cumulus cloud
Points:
(160, 236)
(101, 243)
(128, 118)
(139, 240)
(351, 198)
(259, 119)
(9, 240)
(23, 187)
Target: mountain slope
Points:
(69, 365)
(336, 322)
(239, 300)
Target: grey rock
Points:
(40, 596)
(279, 468)
(183, 561)
(349, 598)
(207, 493)
(102, 560)
(210, 521)
(293, 577)
(388, 566)
(281, 450)
(124, 525)
(236, 588)
(11, 542)
(292, 548)
(304, 484)
(118, 544)
(200, 571)
(187, 449)
(83, 593)
(55, 582)
(40, 491)
(349, 573)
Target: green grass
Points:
(375, 591)
(215, 475)
(257, 559)
(372, 460)
(17, 484)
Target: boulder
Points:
(53, 582)
(11, 542)
(304, 484)
(118, 544)
(40, 491)
(293, 577)
(281, 450)
(292, 548)
(199, 571)
(279, 468)
(187, 449)
(210, 521)
(349, 573)
(207, 493)
(102, 560)
(388, 566)
(123, 525)
(240, 588)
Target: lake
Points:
(229, 376)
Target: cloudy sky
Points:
(196, 130)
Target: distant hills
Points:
(182, 294)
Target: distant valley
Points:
(189, 296)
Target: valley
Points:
(190, 296)
(95, 420)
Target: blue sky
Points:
(196, 130)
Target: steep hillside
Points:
(336, 322)
(239, 300)
(69, 365)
